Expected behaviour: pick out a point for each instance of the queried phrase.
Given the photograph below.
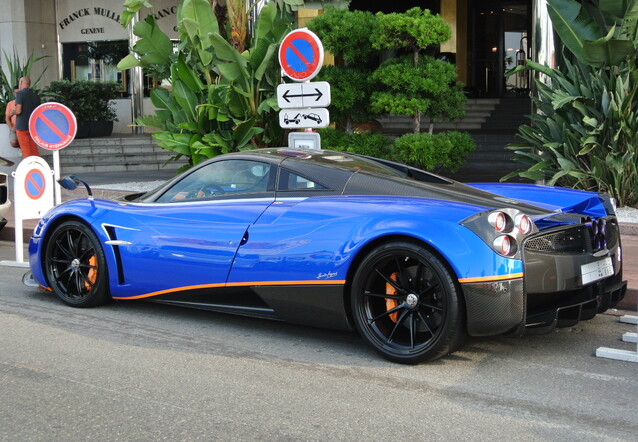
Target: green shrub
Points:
(88, 100)
(370, 144)
(350, 91)
(346, 34)
(585, 135)
(415, 85)
(430, 88)
(442, 151)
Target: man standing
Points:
(10, 119)
(26, 102)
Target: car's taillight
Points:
(524, 224)
(499, 221)
(505, 245)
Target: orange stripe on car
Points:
(232, 284)
(492, 278)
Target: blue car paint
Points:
(562, 199)
(178, 246)
(88, 210)
(286, 237)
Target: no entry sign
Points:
(52, 126)
(301, 55)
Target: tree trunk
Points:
(417, 123)
(349, 128)
(417, 116)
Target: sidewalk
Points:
(629, 231)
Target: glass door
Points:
(501, 41)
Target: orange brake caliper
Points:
(391, 303)
(92, 274)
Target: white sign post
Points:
(33, 197)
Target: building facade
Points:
(82, 39)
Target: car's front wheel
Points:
(405, 304)
(75, 265)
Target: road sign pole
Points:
(56, 177)
(18, 237)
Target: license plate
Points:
(597, 270)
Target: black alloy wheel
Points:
(75, 265)
(406, 305)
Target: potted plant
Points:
(89, 101)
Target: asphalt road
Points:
(140, 371)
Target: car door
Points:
(186, 238)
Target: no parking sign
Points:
(52, 126)
(301, 55)
(33, 188)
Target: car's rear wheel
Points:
(75, 265)
(405, 304)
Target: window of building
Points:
(96, 61)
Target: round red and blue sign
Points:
(301, 55)
(52, 126)
(34, 184)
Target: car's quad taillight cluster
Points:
(504, 230)
(508, 226)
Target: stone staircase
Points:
(492, 122)
(117, 153)
(477, 113)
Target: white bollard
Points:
(622, 355)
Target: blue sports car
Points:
(413, 261)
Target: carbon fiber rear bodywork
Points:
(553, 259)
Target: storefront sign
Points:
(93, 20)
(165, 15)
(99, 20)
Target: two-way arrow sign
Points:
(299, 95)
(288, 96)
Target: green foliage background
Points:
(89, 100)
(220, 100)
(585, 133)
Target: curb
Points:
(629, 229)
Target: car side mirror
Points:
(71, 182)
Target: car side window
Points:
(291, 181)
(222, 178)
